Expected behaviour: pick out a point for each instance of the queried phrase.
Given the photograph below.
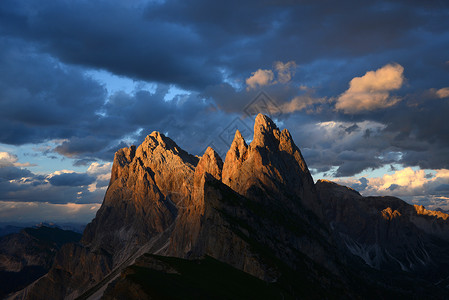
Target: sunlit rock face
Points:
(271, 169)
(147, 184)
(260, 212)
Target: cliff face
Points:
(258, 212)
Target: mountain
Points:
(8, 229)
(29, 254)
(176, 226)
(388, 233)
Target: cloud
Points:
(260, 78)
(96, 168)
(414, 186)
(285, 71)
(210, 48)
(304, 102)
(38, 212)
(41, 99)
(372, 90)
(443, 93)
(341, 148)
(60, 187)
(12, 173)
(407, 178)
(7, 159)
(102, 173)
(77, 146)
(71, 179)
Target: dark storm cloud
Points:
(71, 179)
(40, 99)
(77, 146)
(112, 35)
(192, 43)
(11, 173)
(46, 46)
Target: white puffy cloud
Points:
(102, 173)
(10, 160)
(96, 168)
(7, 159)
(372, 90)
(443, 93)
(260, 78)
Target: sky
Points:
(363, 87)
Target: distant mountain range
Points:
(14, 227)
(27, 255)
(176, 226)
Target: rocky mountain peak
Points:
(264, 124)
(271, 164)
(210, 163)
(266, 133)
(238, 145)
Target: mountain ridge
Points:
(257, 211)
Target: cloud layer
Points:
(195, 71)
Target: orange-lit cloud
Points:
(285, 71)
(260, 78)
(303, 102)
(372, 90)
(443, 93)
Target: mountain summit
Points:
(176, 226)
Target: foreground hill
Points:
(29, 254)
(172, 219)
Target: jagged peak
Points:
(238, 136)
(157, 139)
(263, 122)
(210, 152)
(210, 163)
(266, 133)
(238, 147)
(238, 140)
